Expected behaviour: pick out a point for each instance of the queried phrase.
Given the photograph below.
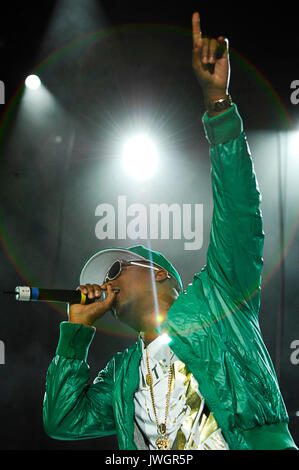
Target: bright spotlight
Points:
(140, 157)
(32, 82)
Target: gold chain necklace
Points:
(163, 442)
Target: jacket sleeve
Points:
(234, 257)
(72, 408)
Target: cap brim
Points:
(96, 267)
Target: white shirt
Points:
(189, 423)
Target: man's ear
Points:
(161, 275)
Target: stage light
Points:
(140, 157)
(33, 82)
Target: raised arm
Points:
(234, 258)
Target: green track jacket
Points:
(213, 324)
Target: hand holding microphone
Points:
(88, 314)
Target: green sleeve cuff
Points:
(74, 340)
(224, 127)
(270, 437)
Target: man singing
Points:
(211, 385)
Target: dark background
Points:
(60, 159)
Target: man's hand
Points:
(210, 60)
(88, 314)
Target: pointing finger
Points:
(196, 31)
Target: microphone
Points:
(26, 293)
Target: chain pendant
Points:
(163, 443)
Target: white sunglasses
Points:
(116, 268)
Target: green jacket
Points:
(214, 328)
